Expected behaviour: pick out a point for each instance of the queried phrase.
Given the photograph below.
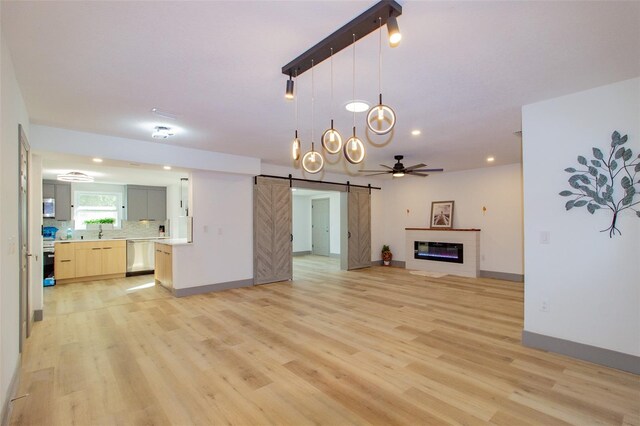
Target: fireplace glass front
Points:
(440, 252)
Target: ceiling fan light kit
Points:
(381, 118)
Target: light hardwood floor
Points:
(376, 346)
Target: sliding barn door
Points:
(359, 228)
(271, 231)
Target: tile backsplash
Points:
(129, 229)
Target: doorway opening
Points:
(316, 231)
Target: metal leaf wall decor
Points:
(595, 183)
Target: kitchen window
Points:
(91, 205)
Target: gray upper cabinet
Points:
(48, 190)
(63, 201)
(61, 193)
(157, 204)
(146, 202)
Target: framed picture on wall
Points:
(442, 214)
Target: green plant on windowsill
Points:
(103, 221)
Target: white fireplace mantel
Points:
(469, 238)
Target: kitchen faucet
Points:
(99, 232)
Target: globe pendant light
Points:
(295, 147)
(381, 119)
(331, 139)
(354, 148)
(312, 162)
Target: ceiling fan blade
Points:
(374, 171)
(427, 170)
(417, 166)
(376, 174)
(417, 174)
(390, 168)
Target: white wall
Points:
(407, 203)
(52, 139)
(301, 223)
(12, 112)
(590, 281)
(222, 249)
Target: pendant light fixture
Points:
(295, 146)
(394, 31)
(312, 162)
(288, 94)
(381, 119)
(331, 139)
(354, 148)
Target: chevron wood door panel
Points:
(271, 231)
(359, 237)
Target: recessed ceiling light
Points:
(167, 167)
(490, 159)
(415, 132)
(357, 106)
(97, 160)
(161, 132)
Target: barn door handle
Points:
(348, 234)
(291, 237)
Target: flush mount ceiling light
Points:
(75, 177)
(490, 159)
(97, 160)
(357, 106)
(312, 162)
(161, 132)
(167, 167)
(416, 132)
(381, 118)
(163, 114)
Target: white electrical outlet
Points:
(544, 305)
(545, 237)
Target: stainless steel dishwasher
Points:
(140, 257)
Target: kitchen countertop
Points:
(93, 240)
(174, 242)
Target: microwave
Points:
(48, 207)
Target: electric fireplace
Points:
(439, 252)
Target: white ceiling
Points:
(110, 171)
(461, 73)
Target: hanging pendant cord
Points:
(313, 100)
(354, 81)
(295, 98)
(380, 58)
(332, 82)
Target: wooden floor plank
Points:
(375, 346)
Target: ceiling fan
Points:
(399, 170)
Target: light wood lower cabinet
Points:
(64, 261)
(84, 261)
(164, 265)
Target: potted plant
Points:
(106, 223)
(386, 255)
